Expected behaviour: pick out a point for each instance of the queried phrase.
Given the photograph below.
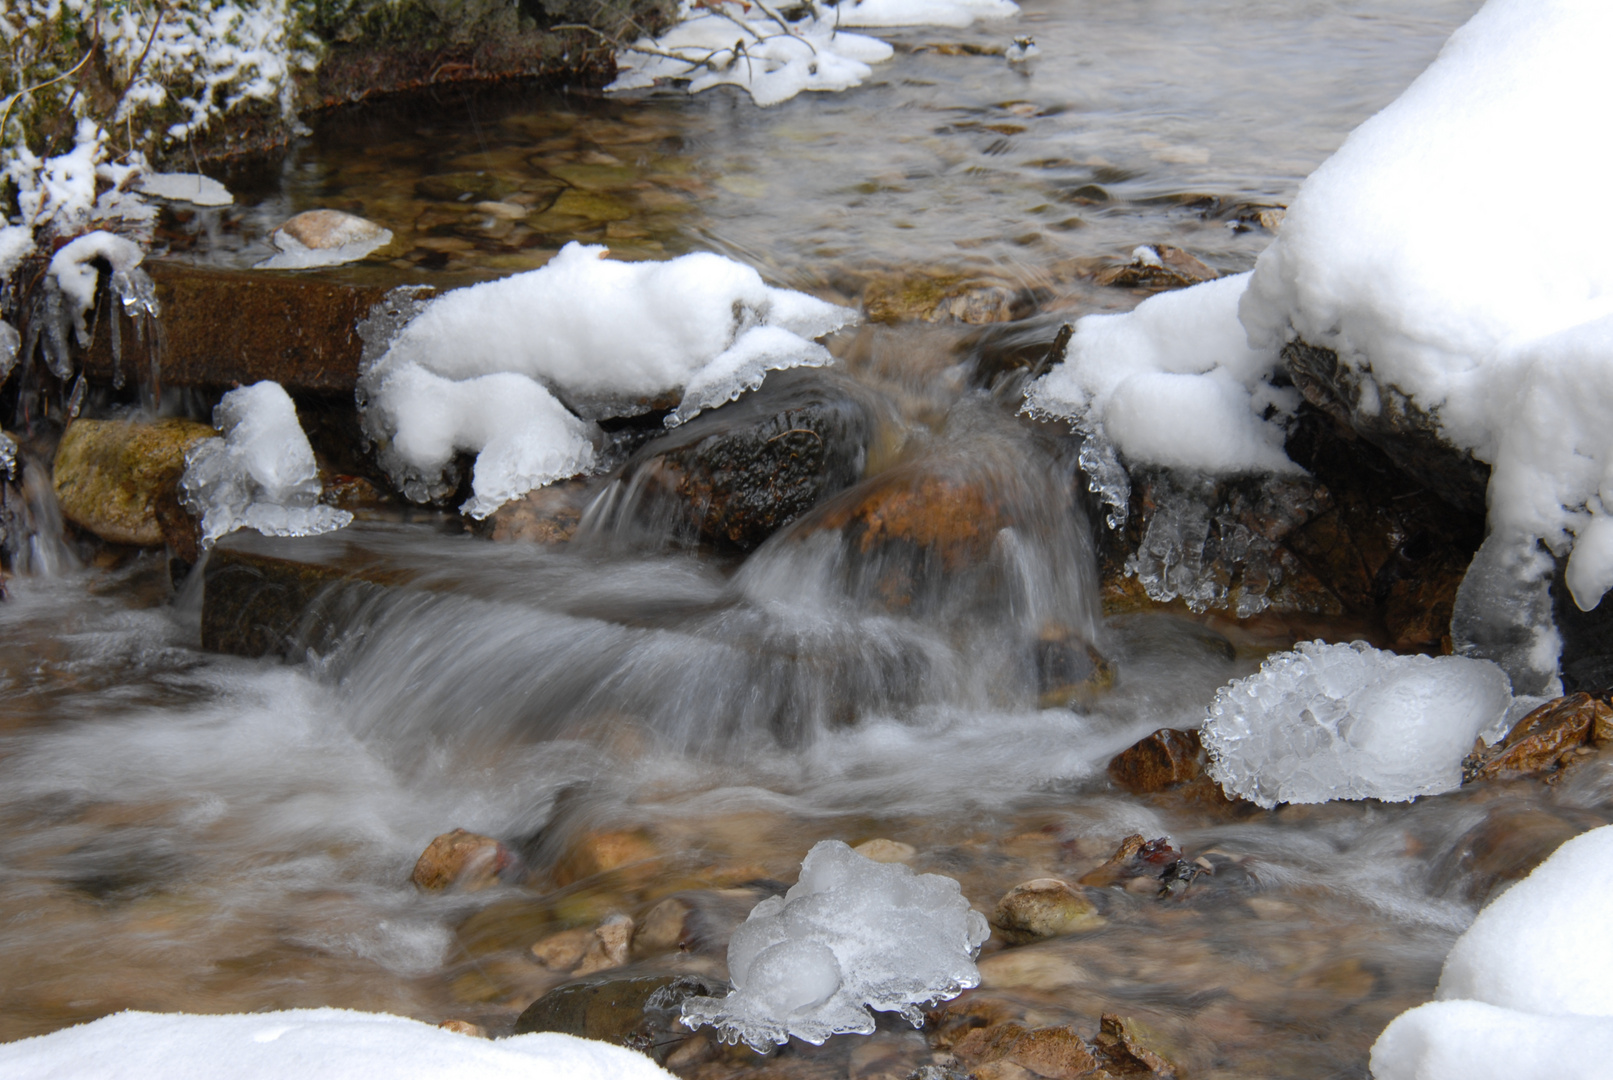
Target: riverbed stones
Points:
(1044, 908)
(881, 850)
(1162, 760)
(608, 947)
(1545, 741)
(733, 476)
(603, 850)
(1010, 1050)
(639, 1013)
(1124, 1047)
(120, 479)
(546, 515)
(1156, 268)
(941, 296)
(462, 860)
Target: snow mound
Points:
(1500, 331)
(1173, 383)
(851, 935)
(309, 1044)
(501, 369)
(1527, 991)
(1349, 721)
(261, 475)
(772, 59)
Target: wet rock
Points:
(548, 515)
(640, 1013)
(462, 860)
(1122, 1047)
(1506, 846)
(299, 331)
(564, 950)
(1162, 760)
(1390, 421)
(735, 475)
(1008, 1049)
(941, 297)
(608, 948)
(1156, 268)
(1070, 672)
(1044, 908)
(886, 851)
(600, 851)
(1134, 858)
(464, 1027)
(665, 928)
(326, 230)
(120, 480)
(1544, 741)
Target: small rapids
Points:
(923, 657)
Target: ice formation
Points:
(1527, 991)
(775, 58)
(309, 1044)
(485, 369)
(849, 936)
(323, 238)
(261, 475)
(185, 187)
(1349, 721)
(1500, 330)
(772, 59)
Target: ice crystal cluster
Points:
(851, 935)
(1328, 722)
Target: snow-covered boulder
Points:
(1527, 991)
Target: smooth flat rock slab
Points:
(223, 327)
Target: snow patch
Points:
(1526, 992)
(310, 1044)
(503, 369)
(261, 475)
(955, 13)
(1328, 722)
(849, 936)
(193, 188)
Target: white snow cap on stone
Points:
(1175, 383)
(1328, 722)
(1527, 991)
(261, 475)
(73, 268)
(851, 935)
(478, 369)
(309, 1044)
(1395, 255)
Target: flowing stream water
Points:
(181, 830)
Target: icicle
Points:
(10, 348)
(8, 455)
(75, 400)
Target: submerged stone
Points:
(1156, 268)
(1044, 908)
(1162, 760)
(120, 480)
(462, 860)
(640, 1013)
(939, 296)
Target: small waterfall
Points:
(35, 544)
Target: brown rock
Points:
(1069, 671)
(462, 860)
(548, 515)
(324, 230)
(608, 947)
(464, 1027)
(886, 851)
(1544, 741)
(1506, 846)
(1162, 760)
(564, 950)
(1056, 1053)
(1122, 1050)
(601, 851)
(1169, 268)
(1134, 857)
(664, 929)
(989, 1043)
(1044, 908)
(926, 296)
(120, 480)
(640, 1013)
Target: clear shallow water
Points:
(180, 830)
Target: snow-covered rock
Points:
(324, 238)
(485, 369)
(1328, 722)
(309, 1044)
(261, 475)
(851, 935)
(1496, 328)
(1527, 991)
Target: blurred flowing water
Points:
(184, 830)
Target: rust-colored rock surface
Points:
(224, 327)
(1162, 760)
(1544, 741)
(461, 860)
